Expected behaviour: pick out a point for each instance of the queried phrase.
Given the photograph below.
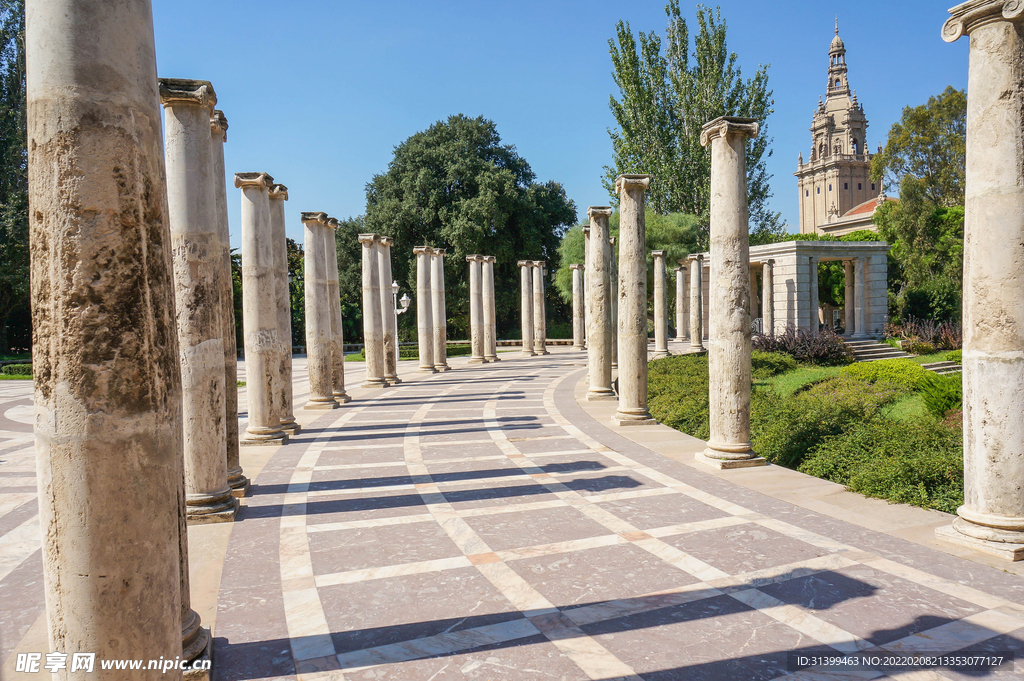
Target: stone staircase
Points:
(871, 350)
(943, 367)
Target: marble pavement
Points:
(485, 523)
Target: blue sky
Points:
(318, 93)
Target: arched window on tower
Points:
(839, 83)
(856, 146)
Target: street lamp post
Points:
(405, 301)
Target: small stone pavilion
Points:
(785, 302)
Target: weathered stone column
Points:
(815, 321)
(613, 292)
(337, 334)
(768, 297)
(586, 286)
(476, 310)
(577, 306)
(729, 351)
(284, 400)
(238, 482)
(682, 295)
(660, 306)
(601, 335)
(195, 249)
(259, 312)
(373, 331)
(848, 305)
(754, 307)
(526, 305)
(540, 331)
(632, 408)
(992, 516)
(490, 323)
(424, 318)
(437, 307)
(387, 310)
(108, 410)
(319, 351)
(859, 299)
(696, 303)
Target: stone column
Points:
(259, 311)
(754, 307)
(682, 295)
(539, 322)
(108, 409)
(373, 331)
(696, 303)
(195, 249)
(848, 298)
(577, 306)
(490, 323)
(319, 352)
(586, 286)
(476, 310)
(859, 307)
(601, 336)
(632, 408)
(284, 399)
(768, 297)
(613, 292)
(389, 320)
(337, 334)
(812, 265)
(424, 318)
(437, 307)
(992, 516)
(526, 305)
(238, 482)
(660, 306)
(729, 342)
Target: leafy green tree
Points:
(456, 186)
(297, 292)
(14, 241)
(665, 98)
(350, 276)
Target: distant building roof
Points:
(868, 207)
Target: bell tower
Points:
(836, 177)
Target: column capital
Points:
(607, 210)
(386, 241)
(314, 216)
(969, 15)
(525, 263)
(219, 123)
(473, 258)
(723, 126)
(439, 251)
(575, 266)
(586, 231)
(611, 240)
(422, 250)
(770, 262)
(657, 254)
(260, 180)
(182, 91)
(696, 256)
(490, 258)
(279, 191)
(367, 239)
(627, 182)
(539, 263)
(679, 269)
(332, 223)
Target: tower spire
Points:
(837, 24)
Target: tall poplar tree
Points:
(14, 248)
(666, 97)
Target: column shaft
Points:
(437, 307)
(682, 296)
(539, 323)
(577, 307)
(259, 311)
(333, 298)
(632, 409)
(696, 303)
(424, 317)
(389, 320)
(848, 298)
(729, 308)
(859, 325)
(490, 323)
(526, 305)
(600, 332)
(768, 297)
(108, 427)
(373, 331)
(283, 375)
(319, 351)
(814, 321)
(476, 310)
(613, 292)
(660, 306)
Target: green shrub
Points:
(918, 347)
(919, 463)
(824, 349)
(677, 389)
(784, 430)
(764, 365)
(16, 369)
(902, 372)
(955, 356)
(942, 393)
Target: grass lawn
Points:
(928, 359)
(6, 377)
(787, 383)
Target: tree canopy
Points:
(666, 97)
(14, 247)
(456, 186)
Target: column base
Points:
(195, 645)
(392, 380)
(725, 464)
(579, 347)
(697, 348)
(253, 441)
(426, 370)
(491, 358)
(605, 395)
(291, 427)
(1004, 550)
(238, 483)
(203, 509)
(441, 368)
(342, 397)
(377, 383)
(528, 353)
(205, 656)
(661, 354)
(477, 360)
(643, 419)
(541, 352)
(321, 406)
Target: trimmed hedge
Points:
(955, 356)
(942, 393)
(16, 370)
(902, 372)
